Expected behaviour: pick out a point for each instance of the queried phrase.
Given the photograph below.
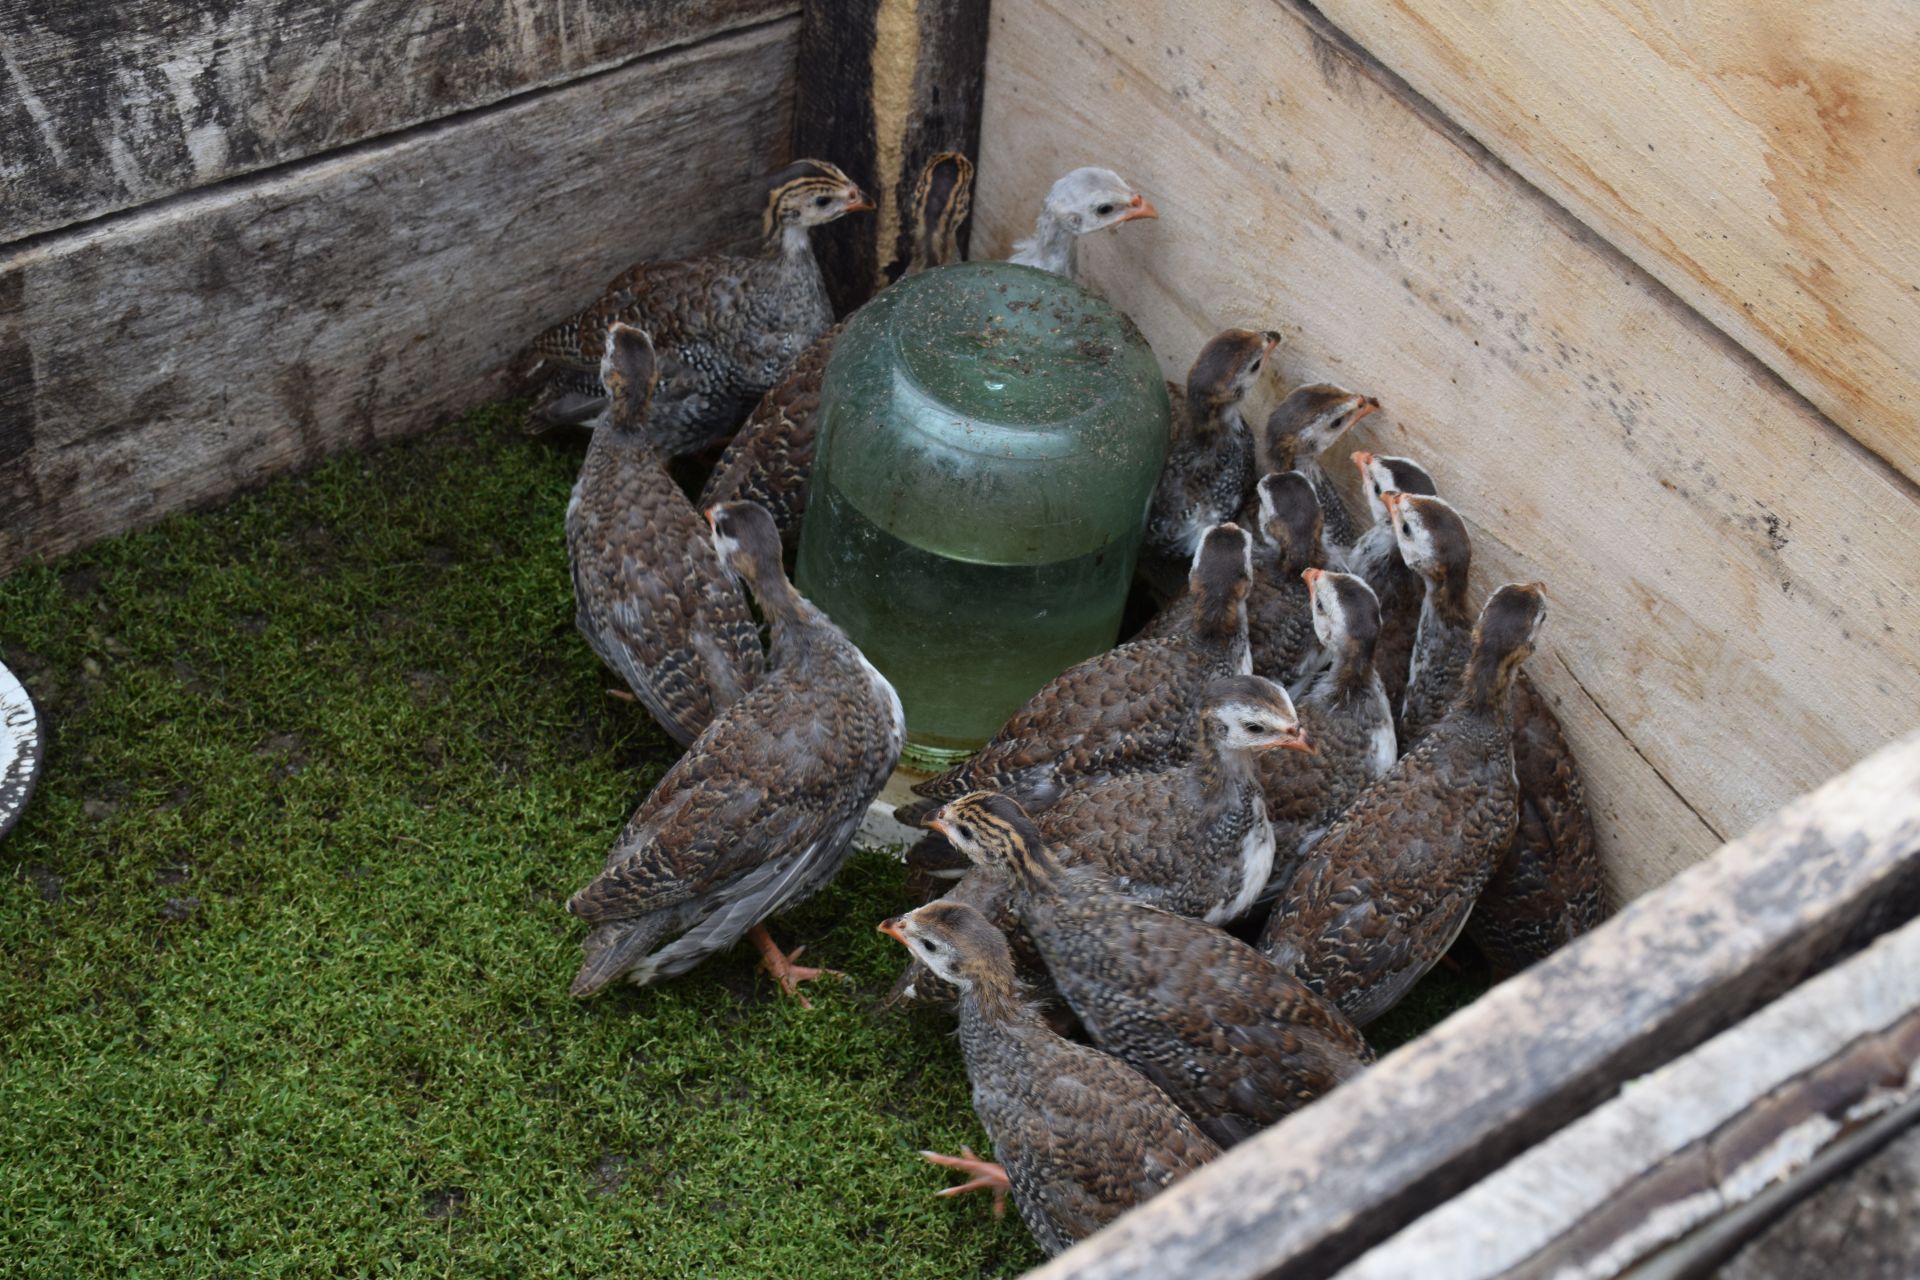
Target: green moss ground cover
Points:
(285, 973)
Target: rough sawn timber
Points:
(1761, 160)
(1673, 968)
(179, 353)
(1735, 590)
(1703, 1135)
(108, 105)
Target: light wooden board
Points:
(1689, 1142)
(168, 358)
(1762, 160)
(1436, 1116)
(108, 105)
(1736, 588)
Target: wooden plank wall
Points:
(1736, 578)
(107, 106)
(165, 355)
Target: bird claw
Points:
(987, 1175)
(781, 968)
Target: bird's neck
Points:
(988, 1002)
(795, 247)
(1446, 600)
(1220, 773)
(1484, 689)
(1052, 245)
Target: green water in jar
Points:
(988, 441)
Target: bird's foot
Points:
(781, 968)
(985, 1176)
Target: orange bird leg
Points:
(781, 968)
(986, 1176)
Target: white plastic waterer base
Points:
(879, 829)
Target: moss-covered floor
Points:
(285, 973)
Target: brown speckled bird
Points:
(725, 328)
(1387, 890)
(1128, 710)
(1345, 715)
(1279, 615)
(1209, 470)
(1375, 556)
(762, 809)
(1549, 888)
(1433, 542)
(651, 596)
(1234, 1040)
(1192, 839)
(1080, 1136)
(771, 458)
(1302, 427)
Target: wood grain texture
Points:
(1859, 1224)
(889, 84)
(1672, 969)
(168, 358)
(105, 106)
(1736, 594)
(1690, 1142)
(1761, 160)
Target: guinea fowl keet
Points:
(1235, 1041)
(725, 328)
(1302, 427)
(1375, 556)
(1209, 470)
(1128, 710)
(1192, 838)
(771, 458)
(1080, 1136)
(761, 810)
(1081, 202)
(1548, 889)
(1344, 713)
(1387, 890)
(651, 596)
(1433, 541)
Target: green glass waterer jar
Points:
(988, 441)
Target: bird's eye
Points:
(964, 832)
(821, 202)
(1104, 210)
(1254, 367)
(1251, 727)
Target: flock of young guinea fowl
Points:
(1209, 854)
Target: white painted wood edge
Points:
(20, 748)
(1504, 1220)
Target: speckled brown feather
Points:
(651, 597)
(1347, 718)
(726, 328)
(1375, 556)
(1549, 889)
(1444, 637)
(1083, 1137)
(1127, 710)
(1209, 470)
(1387, 890)
(762, 808)
(771, 459)
(1232, 1039)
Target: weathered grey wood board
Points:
(180, 353)
(1672, 969)
(1761, 160)
(1735, 582)
(1702, 1135)
(108, 105)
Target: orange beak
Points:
(860, 203)
(1368, 405)
(1298, 742)
(1273, 340)
(1138, 207)
(893, 929)
(939, 824)
(709, 514)
(1311, 577)
(1393, 498)
(1361, 460)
